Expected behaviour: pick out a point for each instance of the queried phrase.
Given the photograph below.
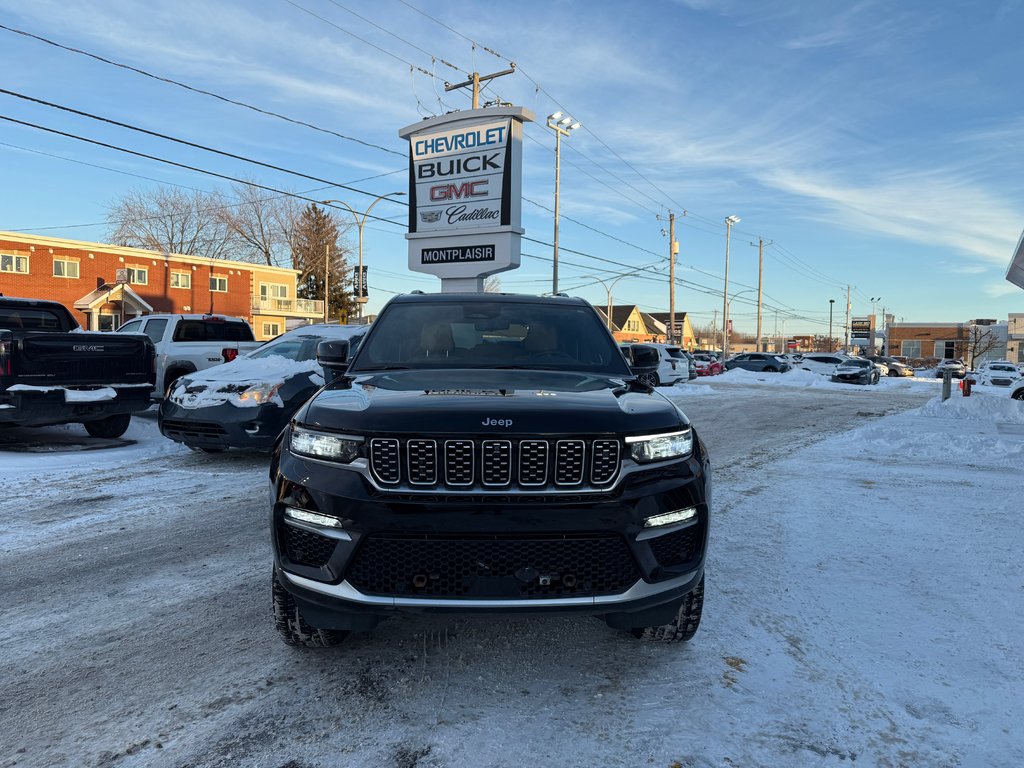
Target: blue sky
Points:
(875, 144)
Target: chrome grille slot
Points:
(533, 462)
(496, 458)
(569, 462)
(604, 461)
(422, 462)
(384, 460)
(458, 462)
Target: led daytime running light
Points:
(315, 518)
(668, 518)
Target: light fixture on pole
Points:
(729, 221)
(562, 125)
(831, 303)
(608, 289)
(360, 221)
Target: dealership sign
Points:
(465, 195)
(860, 327)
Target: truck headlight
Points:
(670, 445)
(320, 445)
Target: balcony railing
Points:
(288, 306)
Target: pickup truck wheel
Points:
(110, 427)
(293, 628)
(685, 624)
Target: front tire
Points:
(293, 628)
(110, 427)
(685, 624)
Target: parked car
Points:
(997, 373)
(857, 370)
(190, 343)
(488, 453)
(708, 365)
(52, 372)
(247, 402)
(954, 366)
(824, 363)
(893, 366)
(674, 366)
(644, 360)
(758, 361)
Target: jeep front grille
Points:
(464, 465)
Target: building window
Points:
(273, 291)
(945, 350)
(911, 349)
(218, 284)
(65, 268)
(181, 280)
(10, 263)
(138, 275)
(270, 330)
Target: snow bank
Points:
(976, 408)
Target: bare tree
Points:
(261, 224)
(172, 220)
(980, 339)
(492, 284)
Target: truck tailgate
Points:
(49, 359)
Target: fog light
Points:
(679, 516)
(312, 517)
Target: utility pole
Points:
(848, 307)
(327, 270)
(673, 249)
(714, 323)
(475, 81)
(760, 284)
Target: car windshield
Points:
(490, 334)
(676, 353)
(857, 363)
(288, 348)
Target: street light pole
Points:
(562, 125)
(360, 221)
(729, 221)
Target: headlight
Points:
(258, 393)
(671, 445)
(343, 448)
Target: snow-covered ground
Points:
(864, 608)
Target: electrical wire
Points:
(185, 142)
(201, 91)
(193, 168)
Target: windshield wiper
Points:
(383, 367)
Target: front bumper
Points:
(223, 425)
(512, 552)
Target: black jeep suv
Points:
(487, 452)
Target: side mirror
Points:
(332, 355)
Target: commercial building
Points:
(973, 342)
(105, 285)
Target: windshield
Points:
(857, 363)
(477, 334)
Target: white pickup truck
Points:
(190, 343)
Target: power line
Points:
(399, 37)
(360, 39)
(194, 89)
(184, 142)
(185, 166)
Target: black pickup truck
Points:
(488, 453)
(52, 373)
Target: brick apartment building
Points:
(83, 277)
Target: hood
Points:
(490, 403)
